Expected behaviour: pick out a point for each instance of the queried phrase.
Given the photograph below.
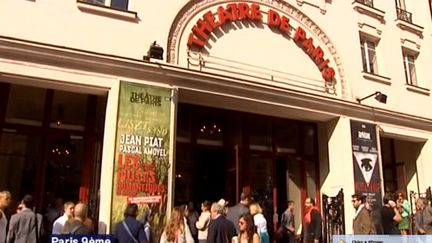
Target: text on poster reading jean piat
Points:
(137, 144)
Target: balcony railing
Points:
(404, 15)
(366, 2)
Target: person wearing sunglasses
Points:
(363, 223)
(248, 231)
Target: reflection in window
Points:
(64, 167)
(409, 66)
(368, 46)
(25, 105)
(183, 124)
(310, 178)
(309, 139)
(120, 4)
(19, 155)
(286, 136)
(260, 137)
(210, 129)
(68, 110)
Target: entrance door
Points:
(63, 169)
(212, 178)
(205, 173)
(295, 181)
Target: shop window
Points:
(260, 136)
(101, 103)
(309, 139)
(409, 59)
(25, 105)
(368, 48)
(19, 156)
(209, 129)
(183, 124)
(286, 136)
(68, 110)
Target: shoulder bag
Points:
(129, 232)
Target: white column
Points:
(424, 165)
(336, 163)
(107, 167)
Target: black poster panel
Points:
(367, 179)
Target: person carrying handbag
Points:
(130, 230)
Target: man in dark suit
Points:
(130, 230)
(25, 226)
(220, 230)
(242, 207)
(363, 223)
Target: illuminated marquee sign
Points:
(251, 12)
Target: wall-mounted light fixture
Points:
(378, 96)
(155, 51)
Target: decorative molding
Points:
(410, 27)
(405, 41)
(417, 89)
(377, 78)
(193, 8)
(322, 6)
(369, 27)
(369, 11)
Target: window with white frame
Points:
(409, 59)
(117, 4)
(368, 50)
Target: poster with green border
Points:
(141, 163)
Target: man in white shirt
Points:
(68, 214)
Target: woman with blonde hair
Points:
(176, 229)
(260, 222)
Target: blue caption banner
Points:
(93, 238)
(381, 238)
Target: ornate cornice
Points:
(195, 7)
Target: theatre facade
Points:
(161, 104)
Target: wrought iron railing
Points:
(366, 2)
(404, 15)
(334, 216)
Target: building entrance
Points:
(210, 174)
(220, 153)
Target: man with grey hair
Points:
(242, 207)
(220, 230)
(423, 217)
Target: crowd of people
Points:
(27, 226)
(394, 216)
(217, 223)
(240, 223)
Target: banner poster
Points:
(141, 161)
(367, 176)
